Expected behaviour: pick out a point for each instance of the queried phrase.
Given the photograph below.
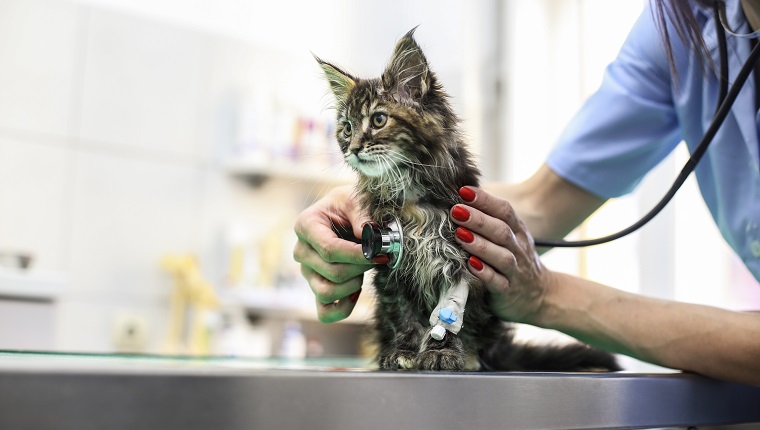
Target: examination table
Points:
(83, 391)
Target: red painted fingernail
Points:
(460, 214)
(465, 235)
(467, 194)
(355, 296)
(381, 259)
(476, 263)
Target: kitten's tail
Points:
(575, 357)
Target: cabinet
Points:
(28, 306)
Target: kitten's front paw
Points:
(442, 359)
(398, 360)
(446, 354)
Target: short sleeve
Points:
(626, 127)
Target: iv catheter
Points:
(449, 314)
(725, 102)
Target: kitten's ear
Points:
(407, 75)
(341, 83)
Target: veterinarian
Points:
(661, 89)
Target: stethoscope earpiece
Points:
(377, 241)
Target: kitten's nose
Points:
(355, 149)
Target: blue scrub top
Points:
(640, 113)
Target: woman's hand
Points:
(503, 254)
(333, 266)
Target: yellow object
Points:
(271, 254)
(237, 257)
(190, 293)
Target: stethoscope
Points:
(387, 239)
(383, 240)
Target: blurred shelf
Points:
(32, 284)
(258, 170)
(288, 303)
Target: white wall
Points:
(112, 130)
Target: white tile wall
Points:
(106, 131)
(39, 53)
(143, 84)
(127, 214)
(33, 200)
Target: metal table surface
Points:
(46, 391)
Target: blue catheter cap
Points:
(447, 315)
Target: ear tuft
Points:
(407, 75)
(341, 83)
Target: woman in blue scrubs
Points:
(651, 99)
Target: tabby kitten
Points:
(402, 137)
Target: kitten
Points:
(402, 137)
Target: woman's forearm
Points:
(714, 342)
(549, 205)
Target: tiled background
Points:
(108, 159)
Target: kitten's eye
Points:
(347, 129)
(379, 120)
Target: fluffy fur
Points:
(402, 137)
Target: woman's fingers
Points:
(334, 301)
(327, 291)
(492, 228)
(494, 281)
(316, 230)
(340, 268)
(496, 256)
(337, 311)
(492, 205)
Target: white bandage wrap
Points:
(452, 302)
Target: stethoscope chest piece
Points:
(378, 240)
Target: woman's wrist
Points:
(547, 309)
(566, 302)
(586, 310)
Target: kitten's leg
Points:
(448, 353)
(400, 334)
